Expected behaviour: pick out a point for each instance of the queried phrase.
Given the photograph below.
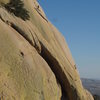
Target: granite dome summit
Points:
(35, 61)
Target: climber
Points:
(38, 7)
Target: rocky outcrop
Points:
(35, 61)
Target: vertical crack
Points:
(55, 67)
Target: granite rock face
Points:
(35, 61)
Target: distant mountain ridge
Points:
(92, 85)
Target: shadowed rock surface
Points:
(35, 61)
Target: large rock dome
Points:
(35, 61)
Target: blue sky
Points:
(79, 22)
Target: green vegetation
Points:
(17, 8)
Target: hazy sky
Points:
(79, 22)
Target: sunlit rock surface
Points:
(35, 61)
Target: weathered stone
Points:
(35, 61)
(4, 1)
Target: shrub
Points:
(17, 8)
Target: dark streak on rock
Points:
(41, 14)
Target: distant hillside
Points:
(93, 86)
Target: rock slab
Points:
(35, 61)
